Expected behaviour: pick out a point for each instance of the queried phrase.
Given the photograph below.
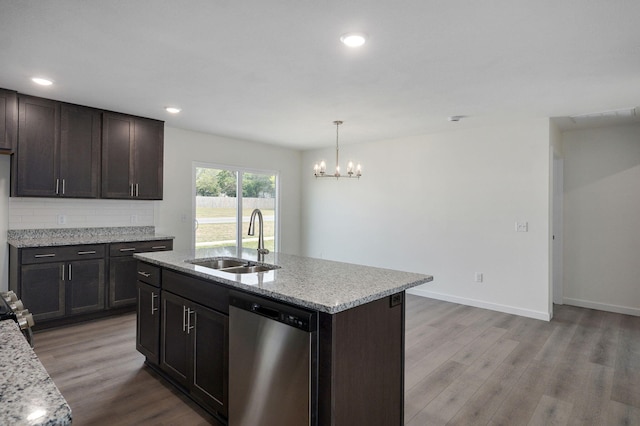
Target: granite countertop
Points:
(25, 238)
(321, 285)
(28, 396)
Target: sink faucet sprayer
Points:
(252, 224)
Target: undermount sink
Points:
(219, 263)
(233, 266)
(249, 269)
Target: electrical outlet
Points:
(522, 226)
(183, 218)
(479, 277)
(62, 219)
(134, 218)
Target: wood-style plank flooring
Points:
(464, 366)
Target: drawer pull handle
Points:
(128, 249)
(87, 252)
(144, 274)
(159, 247)
(44, 255)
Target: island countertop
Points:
(322, 285)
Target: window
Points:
(225, 197)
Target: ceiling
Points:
(274, 71)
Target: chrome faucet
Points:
(252, 228)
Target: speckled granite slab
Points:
(23, 238)
(321, 285)
(28, 396)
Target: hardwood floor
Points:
(464, 366)
(103, 378)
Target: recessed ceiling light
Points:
(42, 81)
(173, 110)
(353, 39)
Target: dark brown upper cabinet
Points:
(58, 152)
(132, 157)
(8, 120)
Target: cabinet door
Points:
(174, 351)
(148, 159)
(122, 281)
(85, 286)
(148, 322)
(210, 358)
(8, 119)
(42, 290)
(37, 153)
(79, 151)
(117, 161)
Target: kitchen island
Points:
(357, 330)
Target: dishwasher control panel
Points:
(290, 315)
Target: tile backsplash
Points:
(36, 213)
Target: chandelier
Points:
(320, 169)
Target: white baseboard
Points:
(602, 306)
(544, 316)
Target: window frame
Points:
(240, 171)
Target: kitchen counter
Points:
(28, 396)
(25, 238)
(322, 285)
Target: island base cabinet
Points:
(174, 358)
(148, 322)
(361, 374)
(194, 350)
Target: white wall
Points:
(183, 147)
(5, 162)
(602, 218)
(446, 205)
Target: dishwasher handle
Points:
(265, 311)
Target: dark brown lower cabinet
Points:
(122, 287)
(85, 286)
(148, 322)
(194, 350)
(122, 269)
(43, 290)
(53, 290)
(64, 284)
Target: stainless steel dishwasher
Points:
(272, 363)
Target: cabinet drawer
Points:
(207, 293)
(128, 248)
(61, 253)
(149, 274)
